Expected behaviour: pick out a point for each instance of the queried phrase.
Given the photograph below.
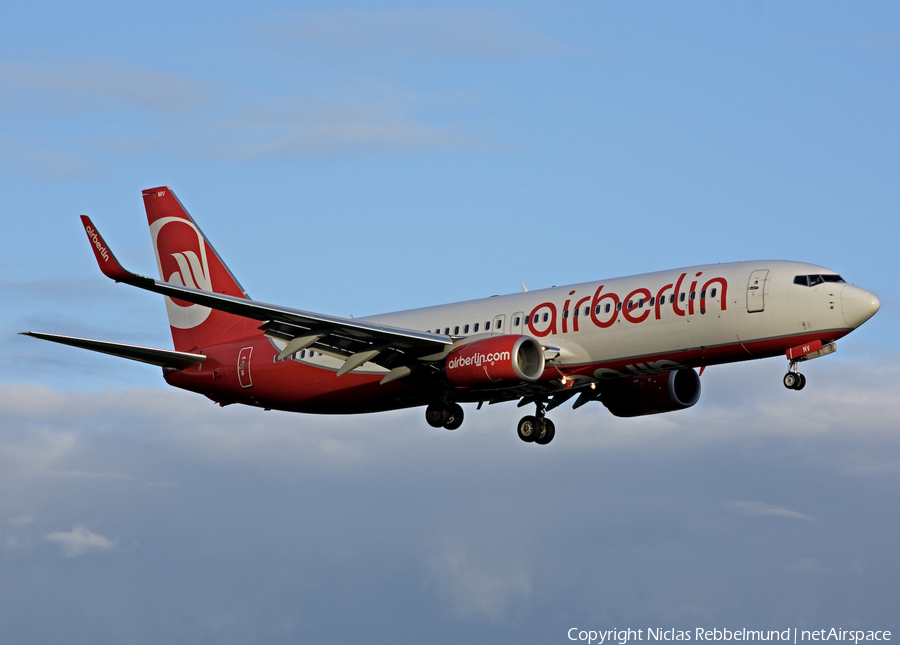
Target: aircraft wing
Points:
(358, 341)
(160, 357)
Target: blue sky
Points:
(357, 159)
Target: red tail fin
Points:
(185, 257)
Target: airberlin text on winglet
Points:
(640, 294)
(790, 635)
(95, 238)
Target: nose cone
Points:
(858, 305)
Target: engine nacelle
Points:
(508, 358)
(635, 396)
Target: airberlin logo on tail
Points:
(191, 272)
(478, 359)
(95, 238)
(177, 239)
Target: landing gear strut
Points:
(794, 380)
(444, 415)
(537, 428)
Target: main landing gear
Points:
(444, 415)
(794, 380)
(537, 428)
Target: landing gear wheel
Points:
(794, 381)
(547, 435)
(454, 417)
(437, 415)
(529, 428)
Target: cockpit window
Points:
(813, 280)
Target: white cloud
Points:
(34, 452)
(761, 509)
(476, 585)
(84, 474)
(621, 514)
(807, 565)
(417, 34)
(80, 541)
(338, 134)
(67, 84)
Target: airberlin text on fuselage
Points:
(478, 359)
(543, 319)
(95, 238)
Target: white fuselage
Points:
(717, 311)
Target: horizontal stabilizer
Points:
(160, 357)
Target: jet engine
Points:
(508, 358)
(635, 396)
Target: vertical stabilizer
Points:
(185, 257)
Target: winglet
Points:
(105, 258)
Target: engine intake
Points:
(498, 359)
(639, 395)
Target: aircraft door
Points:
(498, 324)
(243, 367)
(518, 319)
(756, 291)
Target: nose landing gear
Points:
(794, 380)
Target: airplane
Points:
(632, 343)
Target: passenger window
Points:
(712, 293)
(487, 325)
(456, 331)
(498, 324)
(693, 293)
(703, 294)
(575, 313)
(618, 306)
(517, 321)
(650, 303)
(446, 331)
(597, 309)
(546, 317)
(565, 314)
(466, 329)
(630, 305)
(608, 307)
(476, 328)
(641, 302)
(303, 354)
(587, 311)
(681, 297)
